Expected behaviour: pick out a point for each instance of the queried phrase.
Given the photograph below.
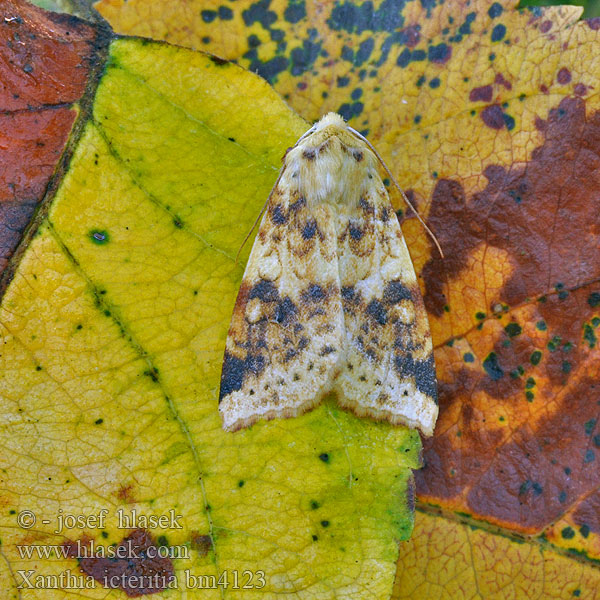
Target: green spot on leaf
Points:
(99, 237)
(513, 329)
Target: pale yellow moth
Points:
(329, 300)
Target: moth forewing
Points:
(329, 299)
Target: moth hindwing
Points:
(329, 299)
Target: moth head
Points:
(332, 120)
(331, 125)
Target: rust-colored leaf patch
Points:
(45, 61)
(137, 565)
(527, 344)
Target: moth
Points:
(329, 300)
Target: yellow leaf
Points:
(113, 331)
(449, 560)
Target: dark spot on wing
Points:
(277, 215)
(301, 202)
(356, 233)
(254, 363)
(377, 312)
(303, 343)
(309, 154)
(423, 372)
(309, 230)
(349, 294)
(314, 293)
(285, 311)
(325, 350)
(358, 155)
(366, 206)
(395, 291)
(264, 290)
(232, 375)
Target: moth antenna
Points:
(260, 214)
(393, 179)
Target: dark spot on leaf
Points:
(491, 366)
(535, 357)
(303, 57)
(589, 336)
(440, 53)
(258, 13)
(594, 299)
(513, 329)
(295, 11)
(495, 10)
(324, 457)
(564, 76)
(359, 17)
(483, 93)
(498, 32)
(493, 116)
(202, 544)
(99, 236)
(218, 61)
(138, 573)
(225, 13)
